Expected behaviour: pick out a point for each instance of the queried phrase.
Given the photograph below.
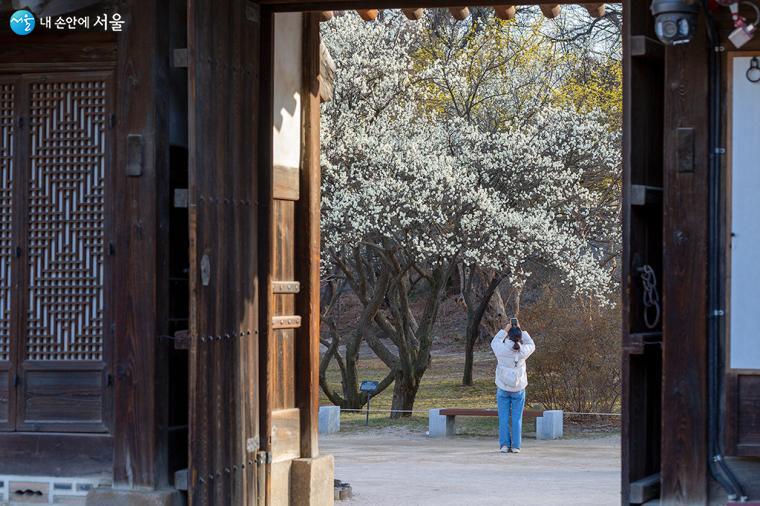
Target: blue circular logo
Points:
(22, 22)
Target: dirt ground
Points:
(398, 467)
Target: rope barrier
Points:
(594, 414)
(572, 413)
(384, 410)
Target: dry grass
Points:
(441, 387)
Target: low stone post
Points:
(550, 426)
(329, 419)
(440, 425)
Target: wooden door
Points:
(223, 41)
(290, 191)
(55, 160)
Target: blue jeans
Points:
(510, 402)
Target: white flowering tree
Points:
(411, 192)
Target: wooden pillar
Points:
(140, 249)
(307, 244)
(685, 248)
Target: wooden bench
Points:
(441, 421)
(454, 412)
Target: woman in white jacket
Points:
(512, 346)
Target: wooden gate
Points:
(55, 159)
(223, 41)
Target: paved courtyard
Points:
(402, 468)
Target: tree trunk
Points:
(494, 317)
(474, 320)
(469, 348)
(404, 393)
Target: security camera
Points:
(674, 20)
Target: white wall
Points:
(744, 310)
(287, 90)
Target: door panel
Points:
(223, 41)
(64, 350)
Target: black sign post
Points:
(369, 387)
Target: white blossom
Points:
(507, 196)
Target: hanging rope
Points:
(651, 298)
(753, 72)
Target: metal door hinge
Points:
(264, 458)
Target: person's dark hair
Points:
(515, 335)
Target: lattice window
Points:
(68, 159)
(6, 213)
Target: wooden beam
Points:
(647, 48)
(505, 12)
(368, 14)
(319, 5)
(459, 13)
(325, 15)
(550, 11)
(595, 10)
(645, 489)
(413, 14)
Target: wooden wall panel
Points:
(685, 243)
(45, 454)
(223, 43)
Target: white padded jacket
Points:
(511, 370)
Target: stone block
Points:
(312, 481)
(106, 496)
(439, 425)
(329, 419)
(550, 426)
